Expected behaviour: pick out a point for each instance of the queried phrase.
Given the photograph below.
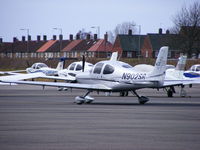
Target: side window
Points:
(198, 68)
(72, 67)
(78, 67)
(33, 66)
(97, 69)
(108, 69)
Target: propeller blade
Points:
(83, 63)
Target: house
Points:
(129, 45)
(88, 47)
(102, 48)
(154, 41)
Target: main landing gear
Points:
(84, 99)
(141, 99)
(170, 91)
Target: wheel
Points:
(143, 99)
(126, 93)
(122, 93)
(170, 93)
(79, 100)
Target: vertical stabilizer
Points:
(114, 56)
(181, 63)
(158, 72)
(61, 64)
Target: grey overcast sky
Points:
(41, 16)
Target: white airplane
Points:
(37, 70)
(41, 67)
(172, 73)
(74, 68)
(114, 76)
(193, 72)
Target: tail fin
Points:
(61, 64)
(177, 73)
(114, 56)
(158, 72)
(181, 63)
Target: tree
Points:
(122, 28)
(187, 26)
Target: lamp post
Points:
(27, 30)
(60, 29)
(139, 26)
(98, 30)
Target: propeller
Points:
(83, 63)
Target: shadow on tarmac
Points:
(181, 104)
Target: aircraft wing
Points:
(180, 82)
(11, 72)
(20, 76)
(62, 84)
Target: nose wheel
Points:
(84, 99)
(141, 99)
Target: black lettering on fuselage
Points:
(134, 76)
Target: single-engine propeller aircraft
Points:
(193, 72)
(113, 76)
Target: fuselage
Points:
(117, 75)
(41, 67)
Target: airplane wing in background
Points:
(180, 82)
(62, 84)
(20, 76)
(11, 72)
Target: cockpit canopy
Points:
(78, 66)
(107, 68)
(38, 65)
(195, 68)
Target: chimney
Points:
(23, 38)
(44, 38)
(129, 32)
(60, 37)
(88, 36)
(29, 38)
(71, 37)
(38, 38)
(15, 39)
(167, 32)
(54, 37)
(78, 36)
(95, 37)
(106, 37)
(1, 40)
(160, 31)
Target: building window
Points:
(147, 54)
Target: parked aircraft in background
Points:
(74, 68)
(193, 72)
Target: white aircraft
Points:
(172, 73)
(74, 68)
(193, 72)
(114, 76)
(37, 70)
(41, 67)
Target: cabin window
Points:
(126, 66)
(198, 68)
(98, 67)
(108, 69)
(78, 67)
(72, 67)
(41, 66)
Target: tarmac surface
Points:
(36, 119)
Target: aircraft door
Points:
(97, 71)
